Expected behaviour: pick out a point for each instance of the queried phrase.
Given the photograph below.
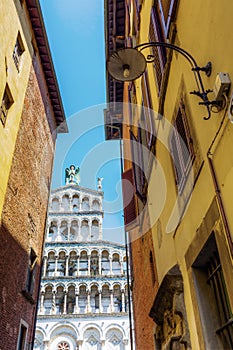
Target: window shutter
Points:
(166, 10)
(181, 147)
(159, 53)
(137, 161)
(148, 114)
(130, 212)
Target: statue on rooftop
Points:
(99, 184)
(72, 175)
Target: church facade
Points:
(83, 300)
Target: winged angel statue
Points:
(72, 175)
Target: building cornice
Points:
(37, 22)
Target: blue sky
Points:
(75, 30)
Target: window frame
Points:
(138, 166)
(31, 275)
(22, 338)
(159, 30)
(147, 111)
(5, 105)
(18, 52)
(212, 294)
(182, 162)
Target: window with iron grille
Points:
(213, 297)
(181, 146)
(18, 51)
(162, 14)
(216, 281)
(7, 101)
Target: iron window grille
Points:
(217, 283)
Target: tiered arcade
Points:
(83, 298)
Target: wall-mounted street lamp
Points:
(129, 64)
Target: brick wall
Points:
(144, 291)
(24, 212)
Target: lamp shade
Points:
(126, 64)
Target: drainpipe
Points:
(210, 154)
(220, 202)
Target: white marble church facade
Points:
(83, 301)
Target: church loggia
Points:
(83, 302)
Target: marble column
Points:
(88, 302)
(80, 203)
(45, 266)
(67, 266)
(79, 230)
(122, 266)
(100, 302)
(76, 308)
(110, 263)
(65, 303)
(42, 303)
(78, 265)
(53, 309)
(100, 264)
(111, 301)
(89, 230)
(89, 265)
(100, 231)
(55, 269)
(70, 203)
(68, 231)
(123, 300)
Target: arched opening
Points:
(48, 297)
(50, 270)
(55, 205)
(74, 230)
(95, 205)
(64, 231)
(61, 264)
(82, 301)
(114, 339)
(66, 203)
(94, 263)
(105, 298)
(72, 264)
(105, 263)
(116, 266)
(91, 339)
(75, 203)
(84, 230)
(71, 300)
(60, 300)
(85, 204)
(53, 231)
(95, 230)
(83, 264)
(117, 298)
(94, 299)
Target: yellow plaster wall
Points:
(11, 22)
(204, 30)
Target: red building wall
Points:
(24, 212)
(144, 288)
